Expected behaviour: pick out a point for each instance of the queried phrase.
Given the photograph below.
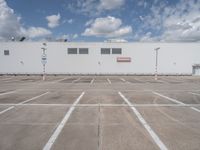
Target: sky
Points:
(101, 20)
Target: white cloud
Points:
(148, 38)
(110, 4)
(75, 36)
(117, 40)
(179, 23)
(10, 25)
(70, 21)
(68, 36)
(107, 27)
(94, 7)
(89, 22)
(34, 32)
(53, 20)
(142, 3)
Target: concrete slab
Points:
(34, 115)
(80, 132)
(58, 97)
(103, 97)
(29, 127)
(3, 108)
(179, 128)
(94, 127)
(185, 97)
(23, 137)
(145, 98)
(121, 130)
(115, 80)
(19, 96)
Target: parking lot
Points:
(99, 112)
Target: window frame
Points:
(114, 53)
(104, 49)
(83, 53)
(6, 52)
(71, 53)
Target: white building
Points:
(99, 58)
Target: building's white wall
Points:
(173, 58)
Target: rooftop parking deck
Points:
(99, 112)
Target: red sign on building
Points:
(123, 59)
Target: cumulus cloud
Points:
(110, 4)
(94, 7)
(116, 40)
(53, 20)
(10, 25)
(179, 23)
(107, 27)
(34, 32)
(70, 21)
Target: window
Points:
(116, 51)
(83, 51)
(6, 52)
(72, 50)
(105, 50)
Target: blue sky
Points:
(101, 20)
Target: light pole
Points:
(44, 60)
(156, 68)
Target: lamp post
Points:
(44, 60)
(156, 68)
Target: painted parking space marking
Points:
(122, 79)
(92, 81)
(194, 93)
(174, 100)
(36, 97)
(76, 80)
(33, 98)
(10, 92)
(5, 79)
(171, 99)
(109, 81)
(58, 130)
(59, 80)
(154, 136)
(195, 109)
(7, 109)
(103, 105)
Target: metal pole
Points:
(156, 68)
(43, 61)
(43, 77)
(156, 72)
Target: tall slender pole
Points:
(44, 59)
(156, 68)
(43, 77)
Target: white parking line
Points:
(56, 133)
(123, 79)
(104, 105)
(59, 80)
(109, 81)
(171, 99)
(5, 79)
(23, 102)
(175, 101)
(76, 80)
(195, 109)
(138, 80)
(195, 93)
(154, 136)
(10, 92)
(34, 98)
(92, 81)
(9, 108)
